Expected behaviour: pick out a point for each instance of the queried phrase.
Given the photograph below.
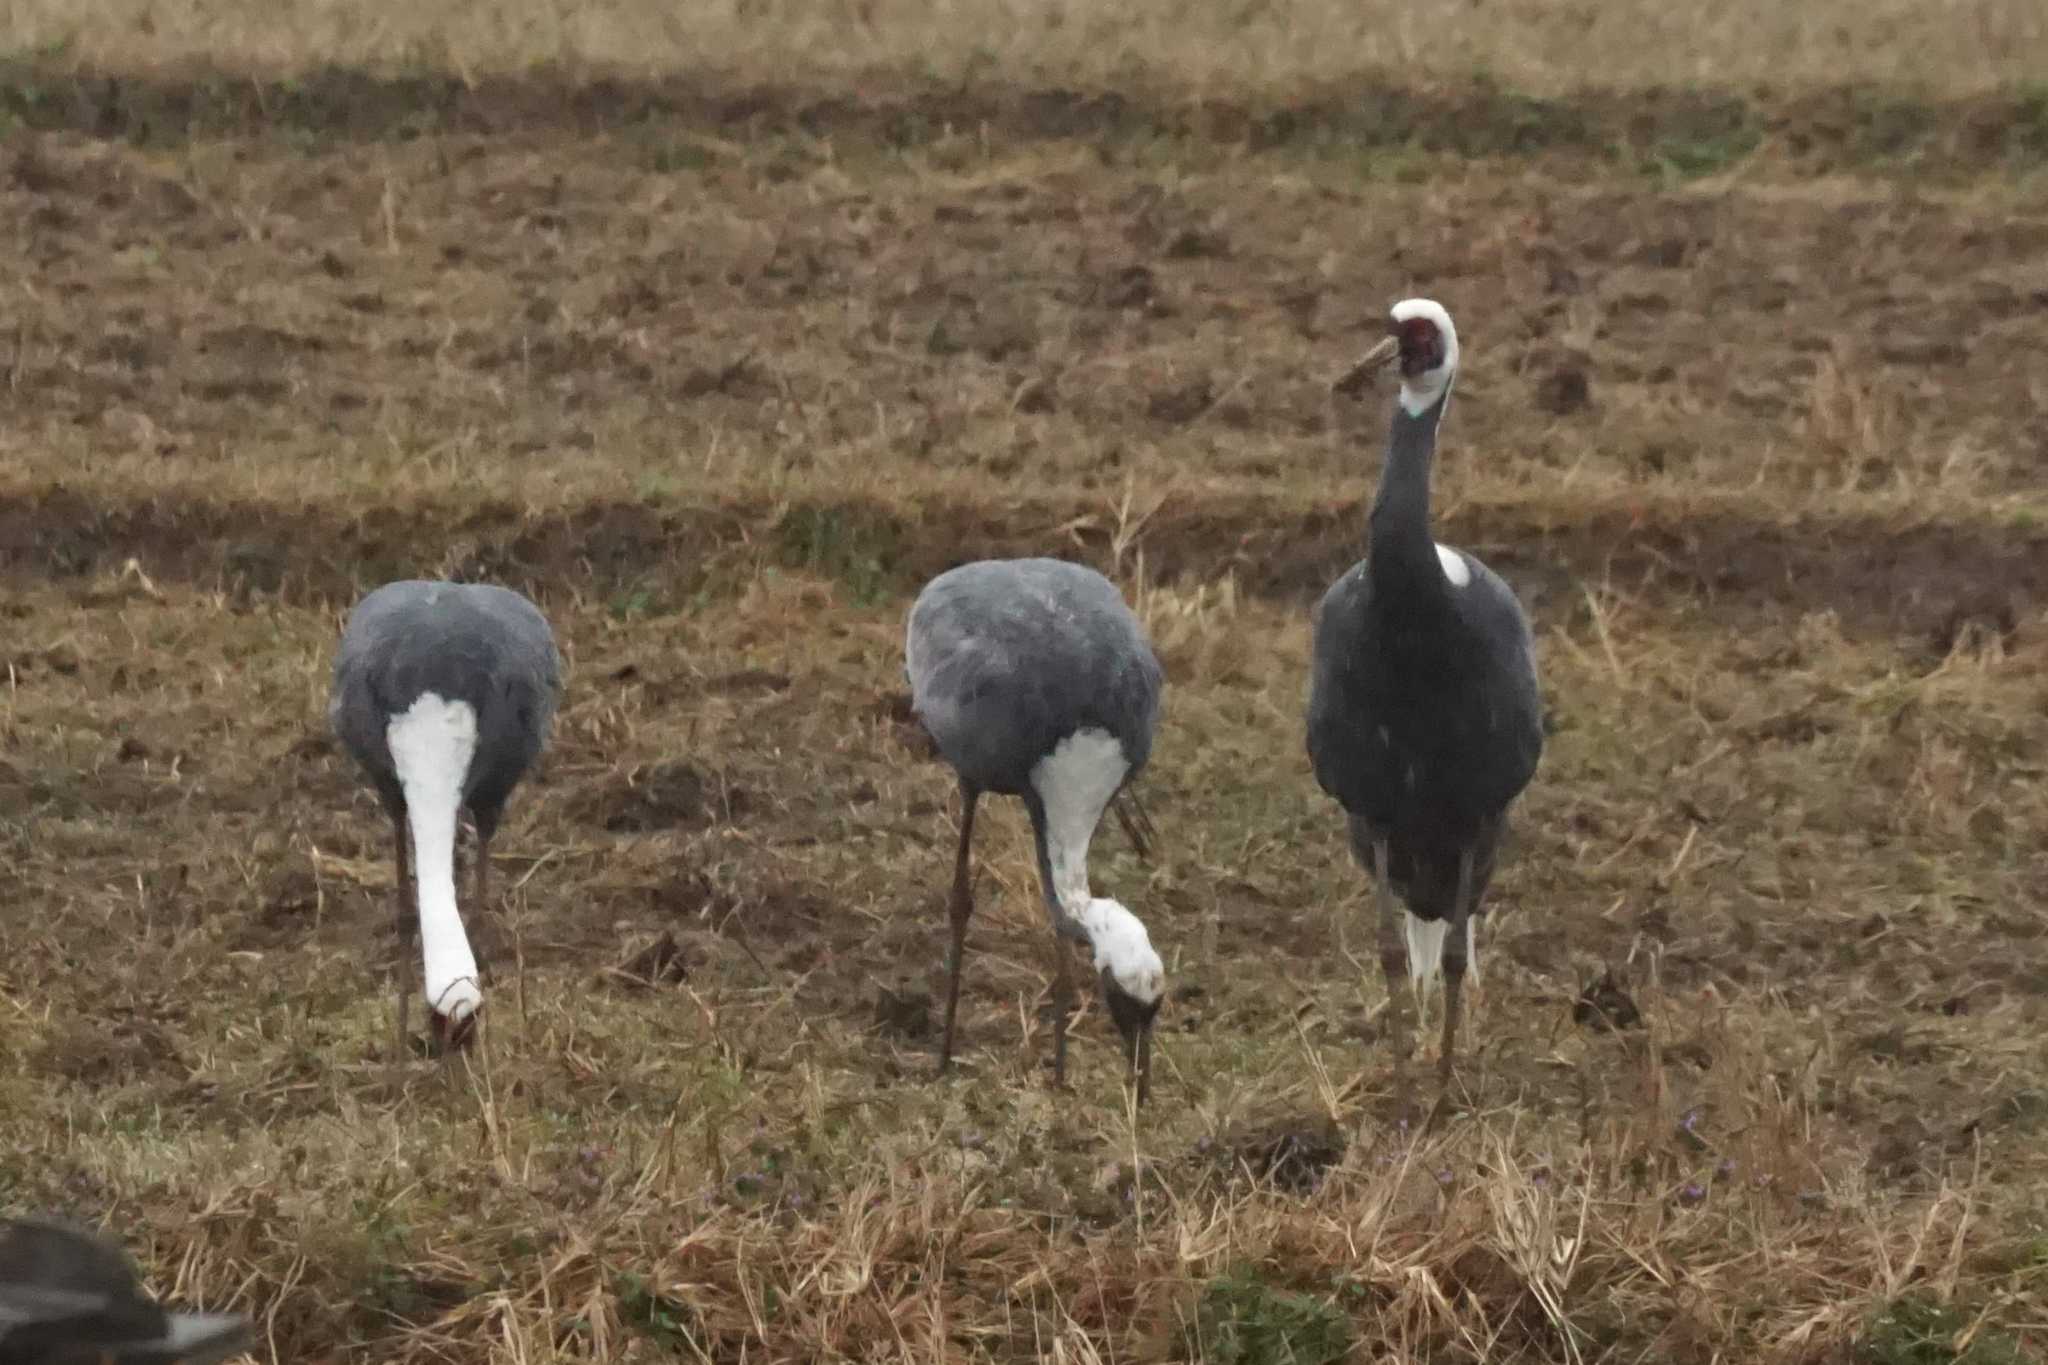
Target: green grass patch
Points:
(1918, 1331)
(829, 542)
(1242, 1320)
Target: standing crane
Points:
(1424, 717)
(68, 1297)
(443, 693)
(1035, 680)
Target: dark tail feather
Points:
(1138, 826)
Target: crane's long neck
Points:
(1073, 784)
(1401, 541)
(431, 745)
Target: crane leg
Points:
(1063, 1001)
(1393, 943)
(408, 923)
(483, 870)
(958, 910)
(1455, 963)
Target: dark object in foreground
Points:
(67, 1295)
(1604, 1006)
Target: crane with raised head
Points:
(1424, 717)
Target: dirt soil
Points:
(1761, 447)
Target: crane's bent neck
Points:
(431, 746)
(1074, 783)
(1400, 509)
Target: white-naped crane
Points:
(1035, 680)
(443, 693)
(69, 1296)
(1424, 717)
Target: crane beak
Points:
(1134, 1020)
(1354, 380)
(1138, 1052)
(452, 1035)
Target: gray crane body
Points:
(443, 693)
(1035, 680)
(1424, 713)
(1009, 657)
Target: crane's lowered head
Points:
(1422, 344)
(1133, 981)
(452, 1014)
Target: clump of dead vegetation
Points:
(693, 1130)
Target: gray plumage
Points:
(1008, 659)
(1424, 715)
(68, 1297)
(470, 642)
(473, 643)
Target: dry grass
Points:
(1760, 449)
(1951, 46)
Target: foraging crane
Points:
(1424, 718)
(1035, 680)
(68, 1297)
(443, 693)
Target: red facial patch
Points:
(1422, 346)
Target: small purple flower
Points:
(1726, 1168)
(1539, 1178)
(1443, 1177)
(1692, 1194)
(1690, 1121)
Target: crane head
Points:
(452, 1018)
(451, 1034)
(1133, 981)
(1421, 343)
(1134, 1018)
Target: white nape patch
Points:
(1425, 952)
(1124, 949)
(1472, 949)
(431, 746)
(1075, 782)
(1419, 393)
(1455, 567)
